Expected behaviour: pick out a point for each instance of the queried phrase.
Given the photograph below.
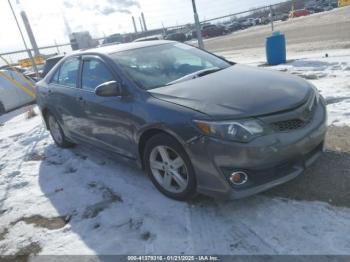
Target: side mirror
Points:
(106, 89)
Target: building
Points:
(82, 40)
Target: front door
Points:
(109, 125)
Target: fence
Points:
(331, 32)
(15, 56)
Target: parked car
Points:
(196, 123)
(11, 96)
(328, 8)
(194, 33)
(315, 9)
(116, 38)
(284, 17)
(247, 23)
(180, 37)
(299, 13)
(265, 20)
(234, 26)
(108, 44)
(189, 35)
(213, 30)
(149, 38)
(50, 63)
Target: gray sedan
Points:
(195, 122)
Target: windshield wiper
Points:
(194, 75)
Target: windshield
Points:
(157, 66)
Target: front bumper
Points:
(269, 160)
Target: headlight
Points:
(239, 130)
(316, 92)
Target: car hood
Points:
(238, 91)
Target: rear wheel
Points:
(169, 167)
(57, 133)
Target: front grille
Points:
(293, 124)
(288, 125)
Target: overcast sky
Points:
(104, 17)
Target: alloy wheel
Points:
(169, 169)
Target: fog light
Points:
(238, 178)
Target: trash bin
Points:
(276, 49)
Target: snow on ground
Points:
(79, 201)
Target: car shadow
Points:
(112, 207)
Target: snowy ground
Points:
(80, 201)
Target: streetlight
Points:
(24, 42)
(198, 26)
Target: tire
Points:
(57, 133)
(2, 109)
(175, 179)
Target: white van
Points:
(11, 96)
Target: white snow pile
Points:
(79, 201)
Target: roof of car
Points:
(124, 47)
(59, 56)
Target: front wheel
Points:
(169, 167)
(57, 132)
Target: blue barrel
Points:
(276, 49)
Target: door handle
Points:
(80, 100)
(48, 93)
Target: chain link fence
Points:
(15, 56)
(326, 29)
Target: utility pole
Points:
(24, 42)
(144, 21)
(164, 31)
(58, 50)
(141, 24)
(134, 24)
(198, 26)
(30, 33)
(271, 18)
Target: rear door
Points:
(109, 123)
(62, 95)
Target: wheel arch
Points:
(45, 112)
(147, 134)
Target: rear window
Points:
(67, 74)
(49, 64)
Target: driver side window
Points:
(94, 74)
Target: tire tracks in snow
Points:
(209, 223)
